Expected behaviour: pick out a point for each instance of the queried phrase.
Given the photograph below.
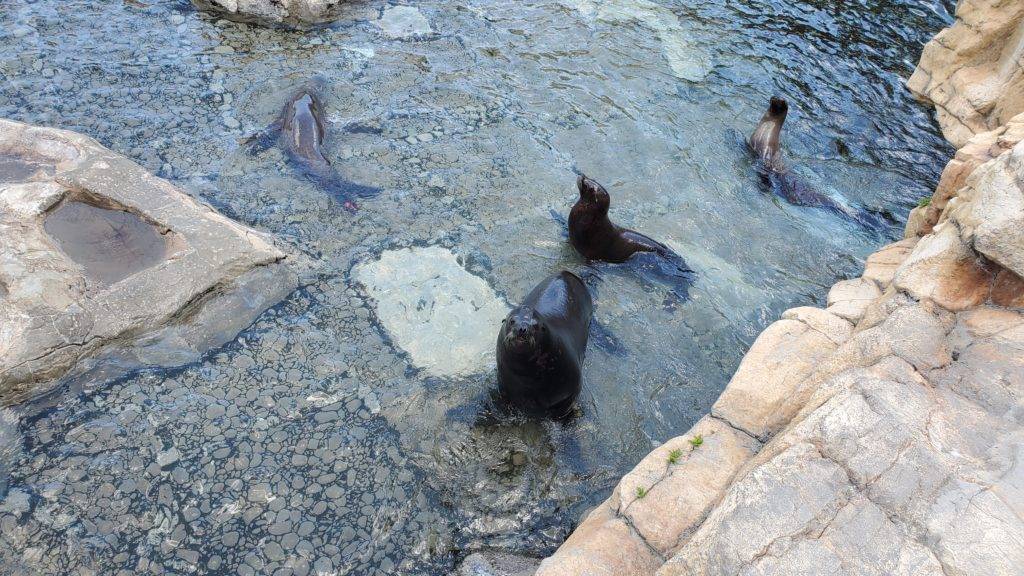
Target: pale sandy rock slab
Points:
(849, 299)
(679, 494)
(445, 318)
(834, 327)
(294, 13)
(603, 545)
(404, 22)
(790, 498)
(881, 266)
(943, 269)
(917, 222)
(977, 151)
(764, 393)
(971, 71)
(989, 369)
(100, 260)
(990, 210)
(910, 332)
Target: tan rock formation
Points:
(972, 71)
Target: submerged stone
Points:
(444, 317)
(404, 22)
(685, 59)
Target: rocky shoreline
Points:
(883, 434)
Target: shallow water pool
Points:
(321, 440)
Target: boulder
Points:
(289, 13)
(971, 71)
(978, 150)
(765, 392)
(990, 210)
(943, 269)
(491, 563)
(849, 299)
(101, 260)
(881, 266)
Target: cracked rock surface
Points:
(101, 260)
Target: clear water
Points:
(310, 444)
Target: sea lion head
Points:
(593, 193)
(778, 107)
(523, 331)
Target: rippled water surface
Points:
(312, 444)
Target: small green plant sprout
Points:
(640, 492)
(674, 456)
(924, 202)
(696, 441)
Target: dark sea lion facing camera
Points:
(541, 346)
(300, 131)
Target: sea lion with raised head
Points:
(300, 131)
(541, 345)
(594, 235)
(766, 144)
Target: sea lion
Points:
(766, 144)
(541, 345)
(594, 235)
(300, 131)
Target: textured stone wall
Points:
(973, 71)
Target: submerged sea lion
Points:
(300, 131)
(765, 144)
(541, 346)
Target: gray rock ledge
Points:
(105, 267)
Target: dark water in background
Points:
(311, 444)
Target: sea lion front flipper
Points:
(667, 269)
(260, 141)
(562, 222)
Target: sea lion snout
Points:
(523, 328)
(583, 185)
(591, 191)
(778, 106)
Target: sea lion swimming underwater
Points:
(596, 237)
(541, 346)
(766, 144)
(300, 131)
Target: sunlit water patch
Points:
(317, 442)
